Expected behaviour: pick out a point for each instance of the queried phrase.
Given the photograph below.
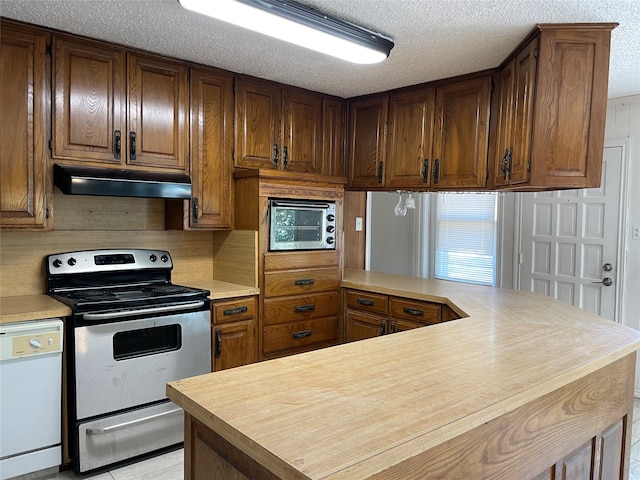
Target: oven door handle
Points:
(132, 423)
(142, 311)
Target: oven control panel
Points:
(88, 261)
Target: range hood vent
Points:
(73, 180)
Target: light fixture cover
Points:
(299, 24)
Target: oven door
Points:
(128, 363)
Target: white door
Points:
(569, 241)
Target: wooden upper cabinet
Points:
(157, 111)
(515, 112)
(258, 112)
(25, 186)
(119, 109)
(279, 127)
(89, 108)
(302, 140)
(367, 138)
(410, 137)
(211, 149)
(461, 134)
(570, 106)
(333, 137)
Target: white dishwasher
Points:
(30, 396)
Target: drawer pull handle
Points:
(302, 334)
(304, 281)
(305, 308)
(413, 311)
(235, 311)
(365, 301)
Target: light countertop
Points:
(346, 411)
(36, 307)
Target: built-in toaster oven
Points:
(301, 225)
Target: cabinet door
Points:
(570, 107)
(302, 140)
(25, 189)
(462, 134)
(211, 162)
(524, 92)
(88, 109)
(410, 136)
(401, 325)
(332, 138)
(258, 111)
(233, 344)
(158, 106)
(367, 141)
(361, 325)
(504, 130)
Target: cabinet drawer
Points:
(369, 302)
(424, 312)
(295, 282)
(298, 334)
(282, 310)
(289, 260)
(234, 310)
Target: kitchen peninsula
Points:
(523, 387)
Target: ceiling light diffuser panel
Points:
(299, 24)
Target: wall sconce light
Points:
(302, 25)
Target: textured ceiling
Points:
(433, 38)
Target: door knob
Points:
(606, 281)
(607, 267)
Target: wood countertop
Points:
(37, 307)
(352, 410)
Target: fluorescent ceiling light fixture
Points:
(299, 24)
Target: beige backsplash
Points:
(83, 223)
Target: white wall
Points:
(391, 238)
(623, 121)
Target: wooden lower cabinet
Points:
(371, 314)
(233, 333)
(300, 307)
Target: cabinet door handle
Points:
(285, 157)
(302, 334)
(117, 144)
(503, 163)
(436, 171)
(218, 349)
(413, 311)
(383, 327)
(510, 161)
(394, 328)
(275, 155)
(235, 311)
(132, 145)
(380, 171)
(425, 170)
(365, 301)
(305, 308)
(195, 207)
(304, 281)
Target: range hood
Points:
(73, 180)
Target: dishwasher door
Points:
(31, 396)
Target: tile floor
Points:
(169, 465)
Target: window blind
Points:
(465, 248)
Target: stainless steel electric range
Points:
(131, 332)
